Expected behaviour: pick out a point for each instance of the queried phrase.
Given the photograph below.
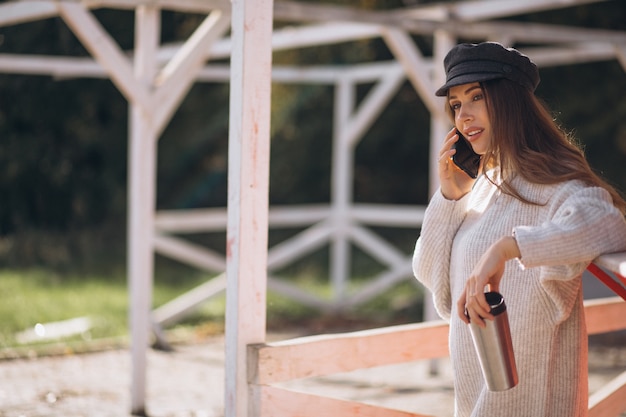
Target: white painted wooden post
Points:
(341, 188)
(141, 200)
(248, 186)
(439, 125)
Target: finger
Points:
(475, 318)
(461, 309)
(478, 304)
(484, 305)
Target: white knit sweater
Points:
(543, 291)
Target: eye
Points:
(455, 106)
(478, 97)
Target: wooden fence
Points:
(312, 356)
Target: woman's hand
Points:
(454, 182)
(472, 305)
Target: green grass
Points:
(42, 296)
(39, 296)
(34, 296)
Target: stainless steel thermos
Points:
(494, 347)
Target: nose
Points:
(464, 114)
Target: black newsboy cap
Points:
(471, 62)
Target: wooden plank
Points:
(520, 32)
(328, 354)
(189, 253)
(282, 361)
(615, 262)
(608, 280)
(610, 400)
(378, 248)
(248, 186)
(480, 10)
(373, 105)
(414, 64)
(376, 285)
(280, 402)
(104, 49)
(388, 214)
(13, 13)
(296, 246)
(620, 52)
(214, 219)
(605, 315)
(192, 6)
(298, 294)
(181, 306)
(579, 53)
(179, 74)
(142, 181)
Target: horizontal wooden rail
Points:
(609, 401)
(280, 402)
(604, 315)
(311, 356)
(319, 355)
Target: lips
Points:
(472, 134)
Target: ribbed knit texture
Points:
(543, 290)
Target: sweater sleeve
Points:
(431, 259)
(585, 224)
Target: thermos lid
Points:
(496, 302)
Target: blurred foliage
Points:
(63, 142)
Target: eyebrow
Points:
(467, 91)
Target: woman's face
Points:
(469, 106)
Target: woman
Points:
(527, 227)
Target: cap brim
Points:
(466, 79)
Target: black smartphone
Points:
(465, 157)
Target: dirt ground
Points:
(188, 382)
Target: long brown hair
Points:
(527, 141)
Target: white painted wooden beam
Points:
(342, 167)
(378, 248)
(13, 13)
(615, 262)
(188, 6)
(70, 67)
(207, 220)
(142, 180)
(104, 49)
(181, 306)
(411, 59)
(620, 51)
(189, 253)
(440, 123)
(529, 32)
(293, 37)
(486, 9)
(283, 402)
(248, 186)
(292, 291)
(520, 31)
(329, 354)
(381, 283)
(609, 400)
(177, 77)
(295, 247)
(579, 53)
(373, 105)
